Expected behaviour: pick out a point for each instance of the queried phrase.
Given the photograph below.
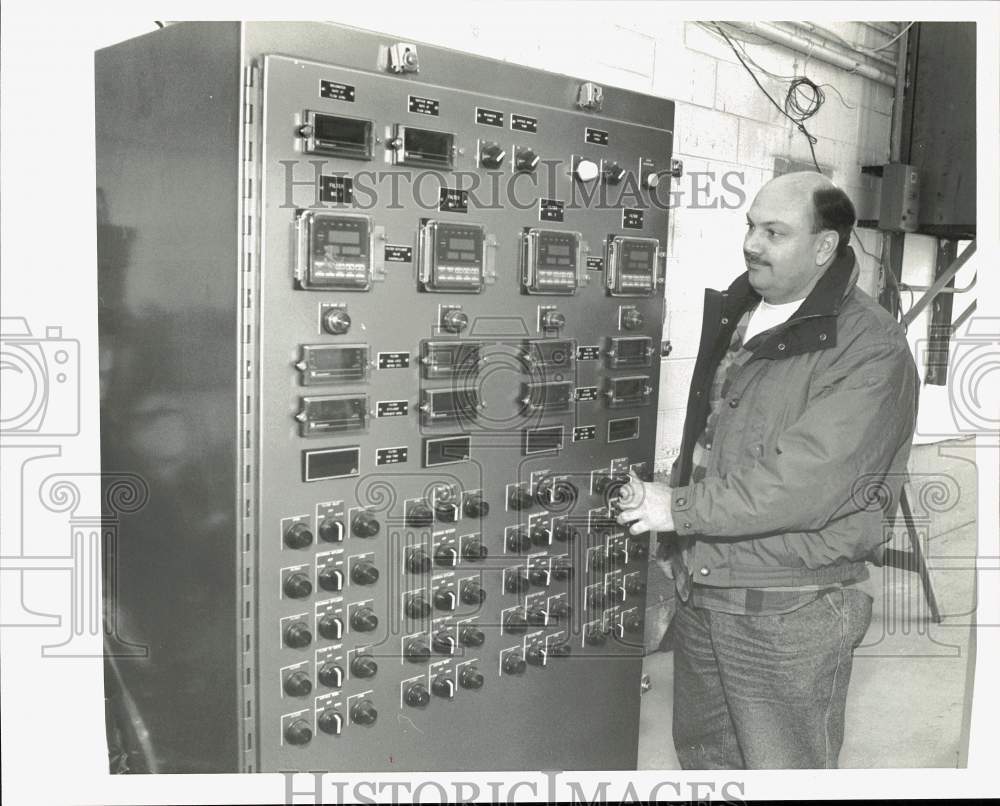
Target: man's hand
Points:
(646, 505)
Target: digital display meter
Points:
(550, 261)
(451, 257)
(631, 270)
(335, 251)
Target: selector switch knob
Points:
(419, 515)
(330, 627)
(445, 599)
(364, 620)
(608, 483)
(297, 635)
(454, 321)
(417, 606)
(298, 536)
(470, 635)
(364, 666)
(298, 732)
(491, 155)
(364, 573)
(539, 577)
(472, 592)
(364, 524)
(445, 511)
(525, 160)
(417, 651)
(586, 170)
(518, 541)
(336, 321)
(520, 498)
(540, 535)
(515, 623)
(618, 556)
(535, 655)
(443, 686)
(330, 722)
(475, 506)
(613, 173)
(446, 556)
(474, 551)
(470, 677)
(418, 562)
(297, 684)
(416, 695)
(553, 320)
(331, 530)
(513, 663)
(363, 712)
(516, 582)
(632, 319)
(331, 579)
(330, 675)
(443, 642)
(297, 586)
(536, 617)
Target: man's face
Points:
(784, 257)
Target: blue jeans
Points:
(765, 692)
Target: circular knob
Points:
(331, 579)
(540, 535)
(520, 498)
(297, 586)
(513, 663)
(539, 577)
(608, 484)
(470, 677)
(535, 655)
(364, 573)
(526, 159)
(330, 722)
(298, 536)
(594, 636)
(336, 321)
(595, 598)
(417, 606)
(613, 173)
(445, 599)
(363, 712)
(330, 627)
(536, 617)
(515, 623)
(297, 684)
(364, 524)
(565, 533)
(446, 556)
(455, 321)
(632, 623)
(419, 515)
(330, 675)
(472, 592)
(559, 609)
(418, 562)
(364, 666)
(475, 506)
(364, 620)
(632, 319)
(443, 643)
(417, 651)
(331, 530)
(297, 635)
(298, 732)
(516, 582)
(518, 541)
(562, 570)
(474, 551)
(553, 320)
(651, 179)
(491, 155)
(586, 170)
(416, 695)
(443, 686)
(445, 511)
(470, 635)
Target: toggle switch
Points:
(336, 321)
(454, 320)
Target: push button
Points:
(704, 571)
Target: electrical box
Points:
(899, 207)
(368, 348)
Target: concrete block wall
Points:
(723, 125)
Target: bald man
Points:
(802, 403)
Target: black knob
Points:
(526, 160)
(513, 663)
(297, 586)
(364, 524)
(518, 541)
(515, 623)
(297, 635)
(364, 666)
(336, 321)
(446, 556)
(298, 732)
(559, 609)
(613, 173)
(540, 535)
(419, 515)
(516, 581)
(331, 579)
(443, 686)
(536, 617)
(416, 695)
(632, 623)
(553, 320)
(298, 536)
(475, 506)
(559, 650)
(595, 598)
(364, 573)
(520, 498)
(417, 562)
(594, 636)
(331, 530)
(298, 684)
(470, 677)
(535, 655)
(539, 577)
(564, 533)
(491, 155)
(363, 712)
(562, 570)
(470, 635)
(472, 592)
(474, 551)
(445, 599)
(632, 319)
(416, 651)
(330, 627)
(635, 586)
(609, 484)
(445, 511)
(455, 321)
(364, 620)
(330, 722)
(330, 675)
(417, 606)
(443, 642)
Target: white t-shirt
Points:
(767, 316)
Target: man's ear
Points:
(826, 247)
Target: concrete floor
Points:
(912, 680)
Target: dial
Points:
(443, 642)
(298, 732)
(471, 635)
(363, 619)
(336, 321)
(297, 635)
(515, 623)
(419, 515)
(364, 666)
(418, 562)
(472, 592)
(364, 573)
(417, 606)
(516, 581)
(416, 650)
(491, 155)
(297, 684)
(443, 686)
(297, 586)
(518, 540)
(475, 506)
(363, 712)
(553, 320)
(446, 556)
(445, 599)
(473, 550)
(298, 536)
(454, 321)
(520, 498)
(416, 695)
(470, 677)
(364, 524)
(513, 663)
(632, 319)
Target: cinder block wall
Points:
(724, 125)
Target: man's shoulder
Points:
(863, 322)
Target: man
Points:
(802, 404)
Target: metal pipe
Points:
(803, 45)
(839, 43)
(886, 29)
